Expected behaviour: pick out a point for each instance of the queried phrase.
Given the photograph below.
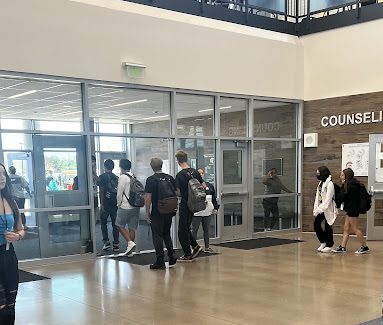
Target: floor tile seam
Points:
(99, 309)
(150, 300)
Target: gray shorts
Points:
(128, 217)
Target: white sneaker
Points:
(326, 250)
(323, 245)
(130, 248)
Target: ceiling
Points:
(58, 101)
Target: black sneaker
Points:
(339, 249)
(172, 261)
(196, 251)
(158, 266)
(185, 259)
(116, 247)
(363, 250)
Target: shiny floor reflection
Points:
(288, 284)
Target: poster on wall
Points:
(355, 156)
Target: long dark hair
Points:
(349, 176)
(6, 193)
(324, 173)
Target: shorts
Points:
(128, 217)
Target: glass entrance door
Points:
(235, 190)
(62, 215)
(375, 185)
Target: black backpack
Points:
(196, 194)
(167, 197)
(110, 190)
(365, 199)
(337, 199)
(136, 192)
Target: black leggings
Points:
(9, 282)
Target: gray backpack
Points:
(196, 195)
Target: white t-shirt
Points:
(123, 187)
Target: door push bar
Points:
(372, 191)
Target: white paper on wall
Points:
(355, 156)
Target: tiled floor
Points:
(289, 284)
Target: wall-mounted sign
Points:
(351, 119)
(355, 156)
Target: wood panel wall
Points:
(330, 140)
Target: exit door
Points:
(235, 194)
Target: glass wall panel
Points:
(194, 114)
(233, 116)
(280, 156)
(16, 141)
(142, 111)
(201, 154)
(275, 213)
(40, 105)
(274, 120)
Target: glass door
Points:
(375, 185)
(235, 193)
(62, 217)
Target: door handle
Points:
(234, 193)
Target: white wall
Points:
(344, 61)
(90, 40)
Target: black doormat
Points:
(258, 243)
(149, 258)
(378, 321)
(25, 276)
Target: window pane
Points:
(233, 114)
(275, 213)
(201, 154)
(274, 120)
(111, 128)
(143, 111)
(52, 106)
(194, 114)
(16, 141)
(232, 167)
(111, 143)
(280, 155)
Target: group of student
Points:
(116, 203)
(329, 197)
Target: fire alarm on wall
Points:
(310, 140)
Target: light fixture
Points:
(153, 117)
(224, 107)
(206, 110)
(23, 94)
(129, 103)
(135, 70)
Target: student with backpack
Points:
(107, 183)
(353, 196)
(161, 204)
(191, 188)
(324, 209)
(206, 215)
(130, 197)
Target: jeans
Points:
(161, 225)
(324, 236)
(21, 204)
(205, 226)
(104, 214)
(9, 282)
(185, 235)
(270, 207)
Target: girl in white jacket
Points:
(324, 209)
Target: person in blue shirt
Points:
(11, 230)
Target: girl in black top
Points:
(11, 230)
(350, 197)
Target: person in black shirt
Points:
(159, 223)
(185, 215)
(108, 193)
(349, 195)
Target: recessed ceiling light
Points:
(152, 117)
(23, 94)
(206, 110)
(134, 102)
(224, 107)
